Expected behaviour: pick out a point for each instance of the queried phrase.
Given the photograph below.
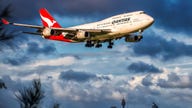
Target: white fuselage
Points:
(120, 25)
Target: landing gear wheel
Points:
(111, 43)
(110, 47)
(89, 44)
(98, 45)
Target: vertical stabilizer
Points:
(47, 19)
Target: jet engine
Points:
(133, 38)
(82, 34)
(47, 32)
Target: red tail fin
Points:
(47, 19)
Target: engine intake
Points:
(82, 34)
(133, 38)
(47, 32)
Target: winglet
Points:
(4, 21)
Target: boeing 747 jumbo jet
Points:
(127, 25)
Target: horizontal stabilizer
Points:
(4, 21)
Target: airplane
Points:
(127, 25)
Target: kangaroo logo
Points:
(48, 21)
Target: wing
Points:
(6, 22)
(59, 30)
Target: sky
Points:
(157, 69)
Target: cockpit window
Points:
(142, 12)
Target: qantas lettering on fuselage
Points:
(124, 20)
(128, 25)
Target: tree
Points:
(30, 97)
(5, 13)
(154, 105)
(2, 85)
(56, 105)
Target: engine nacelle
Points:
(82, 34)
(47, 32)
(133, 38)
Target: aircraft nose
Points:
(151, 20)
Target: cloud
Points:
(180, 24)
(61, 61)
(77, 94)
(15, 61)
(76, 76)
(171, 80)
(141, 67)
(62, 7)
(157, 47)
(176, 81)
(71, 75)
(22, 51)
(147, 81)
(35, 48)
(10, 40)
(7, 100)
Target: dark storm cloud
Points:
(141, 67)
(68, 7)
(169, 14)
(11, 41)
(16, 61)
(173, 15)
(76, 76)
(5, 9)
(157, 47)
(33, 49)
(71, 75)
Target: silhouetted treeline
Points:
(2, 85)
(5, 12)
(30, 97)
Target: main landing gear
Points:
(92, 44)
(98, 44)
(140, 33)
(89, 44)
(111, 43)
